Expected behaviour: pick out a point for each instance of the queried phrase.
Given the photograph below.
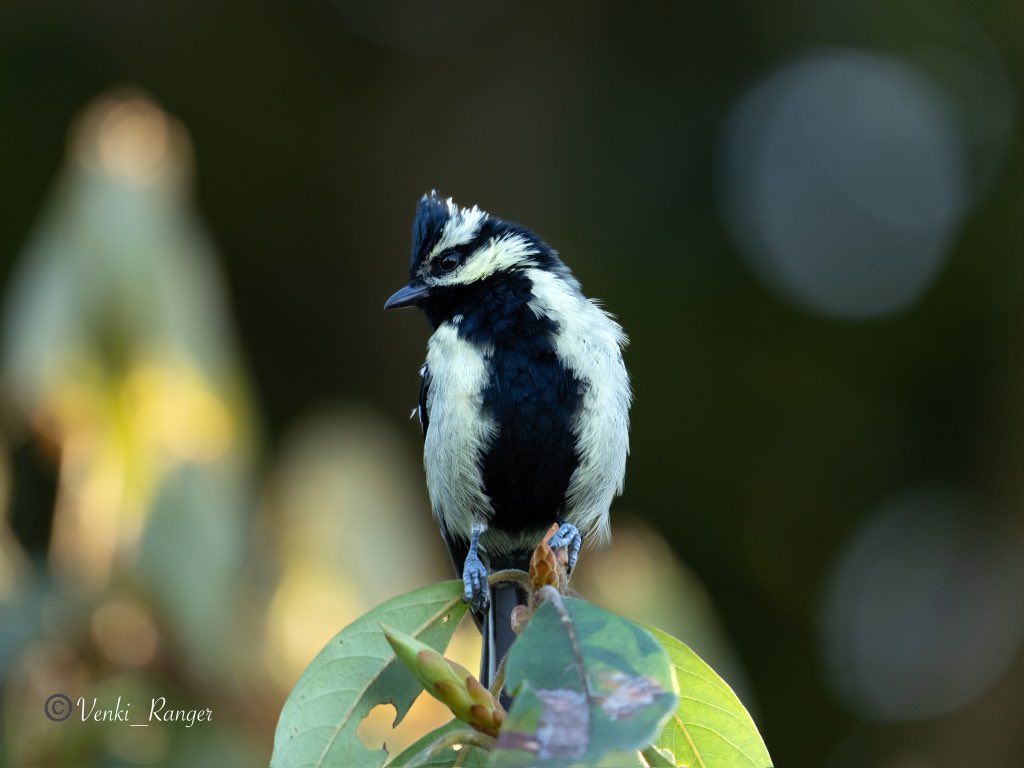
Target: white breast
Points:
(459, 429)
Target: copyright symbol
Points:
(58, 707)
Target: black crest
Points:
(432, 213)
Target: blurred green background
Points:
(807, 216)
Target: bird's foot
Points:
(568, 536)
(474, 579)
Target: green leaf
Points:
(355, 672)
(414, 755)
(711, 728)
(556, 720)
(652, 758)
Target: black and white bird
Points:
(524, 402)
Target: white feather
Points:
(589, 343)
(462, 226)
(498, 253)
(459, 431)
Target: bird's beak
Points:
(407, 296)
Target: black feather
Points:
(431, 215)
(532, 398)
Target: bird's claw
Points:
(568, 536)
(474, 579)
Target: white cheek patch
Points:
(500, 253)
(589, 343)
(460, 431)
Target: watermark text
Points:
(60, 707)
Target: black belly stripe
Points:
(527, 468)
(533, 399)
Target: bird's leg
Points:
(474, 572)
(568, 536)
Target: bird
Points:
(524, 403)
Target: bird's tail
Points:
(496, 629)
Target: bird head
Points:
(458, 251)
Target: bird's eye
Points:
(449, 262)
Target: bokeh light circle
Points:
(844, 182)
(924, 609)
